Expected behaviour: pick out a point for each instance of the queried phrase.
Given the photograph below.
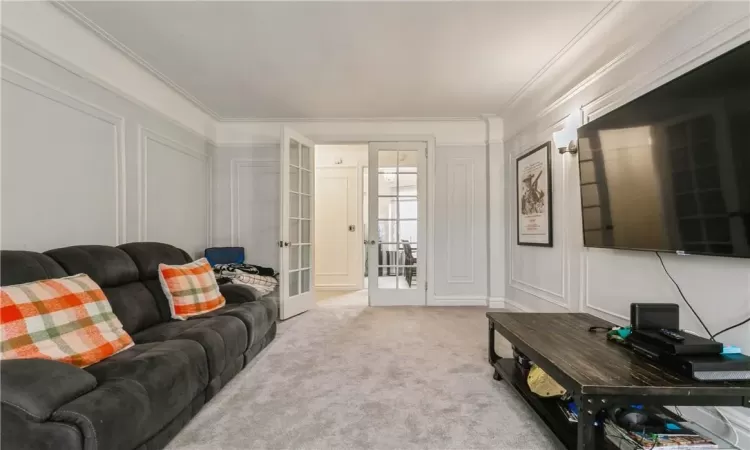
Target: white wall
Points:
(569, 277)
(82, 163)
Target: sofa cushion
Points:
(140, 391)
(18, 267)
(258, 316)
(222, 338)
(191, 289)
(117, 274)
(64, 319)
(108, 266)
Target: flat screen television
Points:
(670, 171)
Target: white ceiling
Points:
(315, 60)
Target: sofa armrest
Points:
(238, 293)
(37, 387)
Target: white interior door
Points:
(338, 261)
(397, 249)
(297, 228)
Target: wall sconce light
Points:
(566, 140)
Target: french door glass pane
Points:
(408, 207)
(305, 279)
(293, 283)
(293, 179)
(407, 184)
(387, 160)
(294, 257)
(387, 183)
(388, 231)
(293, 205)
(294, 153)
(294, 230)
(305, 185)
(305, 232)
(305, 206)
(407, 161)
(407, 230)
(387, 207)
(305, 256)
(306, 158)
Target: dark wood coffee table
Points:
(599, 373)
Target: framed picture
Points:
(534, 197)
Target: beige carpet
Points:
(349, 377)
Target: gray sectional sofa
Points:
(141, 397)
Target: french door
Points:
(397, 249)
(297, 224)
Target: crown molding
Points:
(79, 17)
(526, 88)
(632, 50)
(347, 119)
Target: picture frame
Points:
(534, 197)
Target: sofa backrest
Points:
(114, 271)
(127, 274)
(19, 266)
(147, 257)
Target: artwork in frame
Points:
(534, 197)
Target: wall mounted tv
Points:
(670, 171)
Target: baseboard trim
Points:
(517, 307)
(459, 300)
(336, 287)
(497, 303)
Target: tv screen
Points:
(670, 171)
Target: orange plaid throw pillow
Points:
(66, 319)
(191, 289)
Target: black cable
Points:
(683, 296)
(733, 327)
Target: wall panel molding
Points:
(144, 136)
(235, 196)
(459, 300)
(464, 196)
(62, 97)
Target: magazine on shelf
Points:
(630, 440)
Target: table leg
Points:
(491, 355)
(586, 419)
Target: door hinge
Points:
(425, 285)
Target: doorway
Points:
(359, 261)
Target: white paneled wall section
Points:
(85, 164)
(460, 226)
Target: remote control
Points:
(671, 335)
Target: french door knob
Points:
(287, 244)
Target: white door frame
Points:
(339, 139)
(289, 307)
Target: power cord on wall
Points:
(712, 336)
(683, 296)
